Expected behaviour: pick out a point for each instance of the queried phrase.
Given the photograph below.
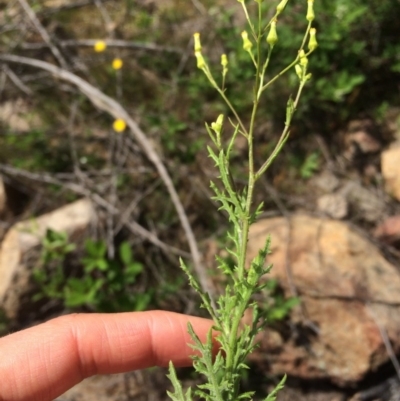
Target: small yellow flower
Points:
(117, 64)
(119, 125)
(100, 46)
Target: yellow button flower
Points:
(100, 46)
(119, 125)
(117, 64)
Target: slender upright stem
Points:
(245, 218)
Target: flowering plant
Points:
(224, 371)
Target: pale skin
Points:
(42, 362)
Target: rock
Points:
(390, 165)
(20, 241)
(138, 385)
(18, 116)
(99, 388)
(333, 205)
(392, 121)
(365, 142)
(389, 230)
(360, 137)
(369, 205)
(326, 181)
(388, 390)
(347, 289)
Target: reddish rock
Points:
(333, 205)
(389, 230)
(346, 288)
(390, 165)
(361, 136)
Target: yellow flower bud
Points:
(117, 64)
(281, 6)
(310, 10)
(272, 37)
(201, 63)
(224, 60)
(299, 70)
(197, 43)
(119, 125)
(303, 58)
(217, 125)
(100, 46)
(247, 45)
(224, 63)
(312, 43)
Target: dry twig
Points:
(41, 29)
(110, 43)
(134, 227)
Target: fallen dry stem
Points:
(79, 189)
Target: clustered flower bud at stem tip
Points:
(272, 37)
(312, 43)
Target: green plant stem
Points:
(229, 104)
(248, 19)
(260, 89)
(233, 342)
(283, 138)
(245, 218)
(221, 91)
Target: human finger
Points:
(42, 362)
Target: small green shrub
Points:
(100, 284)
(34, 151)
